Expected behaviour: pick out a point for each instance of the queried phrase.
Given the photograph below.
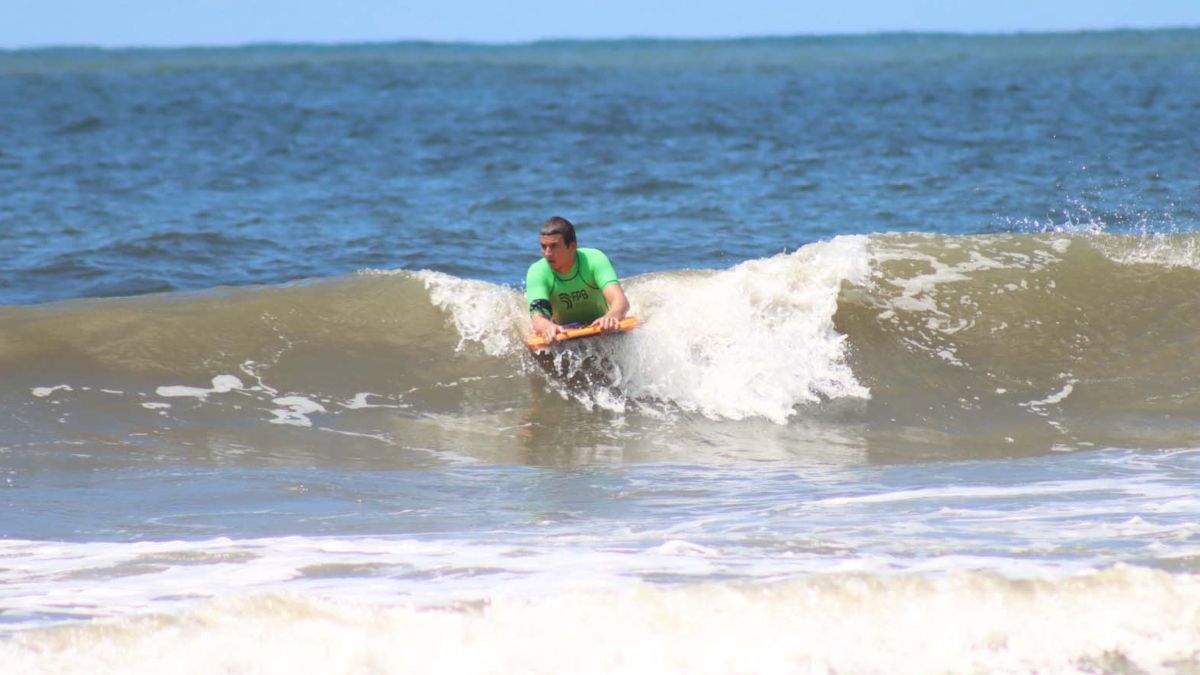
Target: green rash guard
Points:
(575, 297)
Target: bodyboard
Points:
(537, 342)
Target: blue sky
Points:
(26, 23)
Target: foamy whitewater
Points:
(915, 389)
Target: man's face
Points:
(559, 255)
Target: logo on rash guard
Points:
(569, 299)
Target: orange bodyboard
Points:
(537, 342)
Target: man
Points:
(572, 285)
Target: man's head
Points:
(557, 240)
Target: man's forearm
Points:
(618, 304)
(544, 326)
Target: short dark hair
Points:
(559, 225)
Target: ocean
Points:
(917, 388)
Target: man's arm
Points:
(543, 326)
(537, 292)
(618, 306)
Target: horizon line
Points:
(336, 43)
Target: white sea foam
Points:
(361, 401)
(993, 569)
(756, 340)
(482, 313)
(43, 392)
(1054, 398)
(221, 384)
(295, 410)
(941, 494)
(1155, 249)
(1121, 620)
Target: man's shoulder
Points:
(597, 268)
(539, 266)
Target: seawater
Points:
(915, 391)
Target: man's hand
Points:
(550, 333)
(618, 306)
(607, 323)
(546, 328)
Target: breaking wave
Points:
(1056, 341)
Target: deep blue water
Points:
(128, 172)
